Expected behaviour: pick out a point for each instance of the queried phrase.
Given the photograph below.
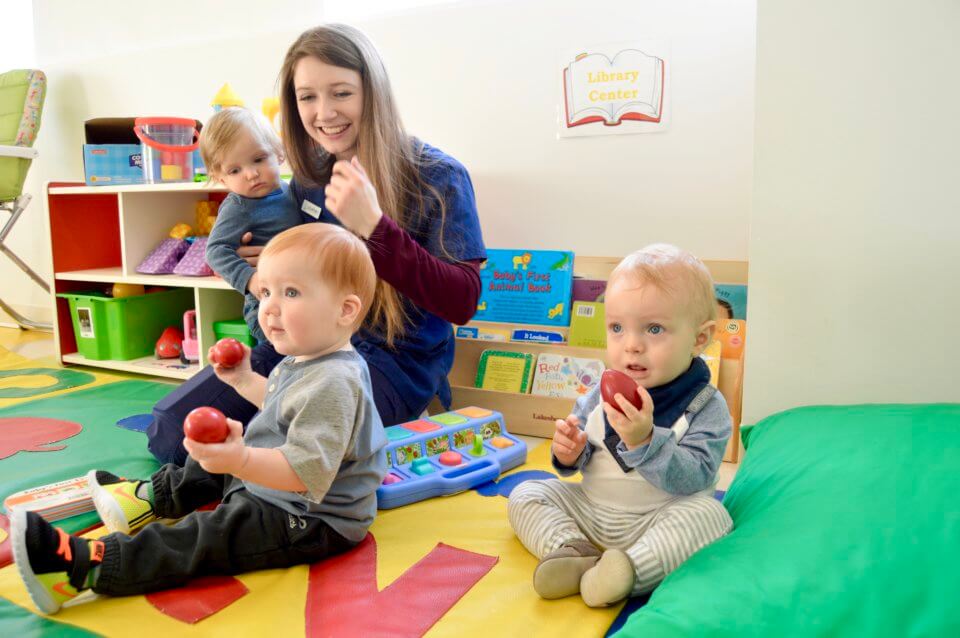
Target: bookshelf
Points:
(98, 235)
(534, 415)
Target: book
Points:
(55, 501)
(505, 371)
(537, 336)
(484, 334)
(626, 86)
(711, 356)
(731, 301)
(588, 289)
(732, 335)
(588, 325)
(526, 286)
(556, 375)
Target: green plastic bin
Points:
(127, 327)
(236, 328)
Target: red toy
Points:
(168, 345)
(613, 382)
(206, 425)
(227, 353)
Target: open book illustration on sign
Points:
(600, 89)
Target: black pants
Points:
(165, 434)
(242, 534)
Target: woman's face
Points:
(330, 102)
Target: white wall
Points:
(112, 59)
(480, 80)
(854, 276)
(476, 78)
(16, 45)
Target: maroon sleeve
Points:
(449, 290)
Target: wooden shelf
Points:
(79, 188)
(115, 275)
(100, 234)
(170, 368)
(534, 347)
(528, 414)
(534, 414)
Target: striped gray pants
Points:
(547, 514)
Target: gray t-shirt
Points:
(320, 414)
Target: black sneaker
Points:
(52, 564)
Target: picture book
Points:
(732, 335)
(610, 89)
(537, 336)
(588, 289)
(587, 325)
(483, 333)
(556, 375)
(505, 371)
(55, 501)
(526, 286)
(731, 301)
(711, 356)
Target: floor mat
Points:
(49, 440)
(501, 602)
(23, 379)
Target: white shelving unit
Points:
(99, 235)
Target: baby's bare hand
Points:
(227, 457)
(634, 426)
(568, 440)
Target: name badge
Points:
(311, 209)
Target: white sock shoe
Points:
(559, 572)
(609, 581)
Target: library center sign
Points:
(614, 89)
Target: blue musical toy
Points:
(445, 454)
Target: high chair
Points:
(21, 103)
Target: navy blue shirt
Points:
(421, 359)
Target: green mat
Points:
(101, 444)
(15, 621)
(62, 379)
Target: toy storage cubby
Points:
(535, 415)
(100, 234)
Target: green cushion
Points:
(847, 522)
(22, 93)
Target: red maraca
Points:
(206, 425)
(613, 382)
(227, 352)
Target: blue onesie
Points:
(264, 217)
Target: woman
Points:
(354, 165)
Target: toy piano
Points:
(445, 454)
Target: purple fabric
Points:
(194, 263)
(164, 257)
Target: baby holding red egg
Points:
(648, 442)
(298, 486)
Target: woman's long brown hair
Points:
(387, 153)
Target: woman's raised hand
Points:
(351, 197)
